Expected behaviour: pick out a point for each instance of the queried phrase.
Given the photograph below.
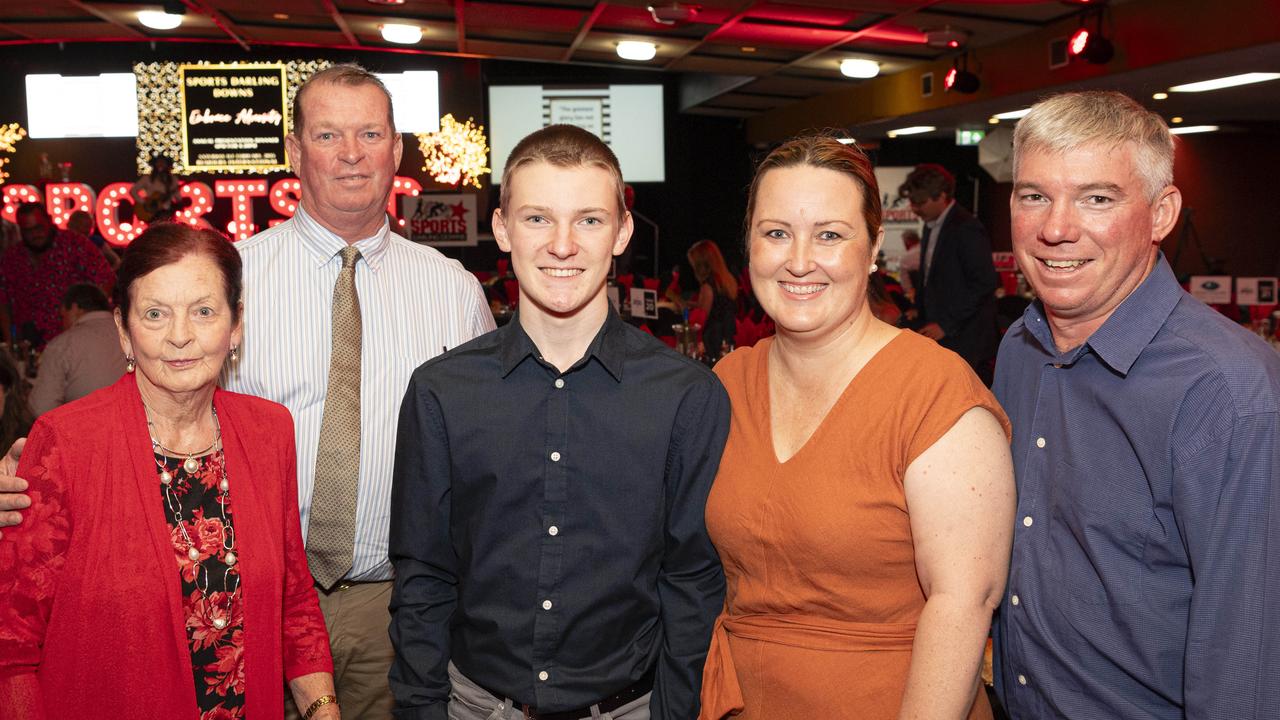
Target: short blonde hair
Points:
(1070, 120)
(563, 146)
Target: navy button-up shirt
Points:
(1145, 579)
(547, 528)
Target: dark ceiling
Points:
(762, 54)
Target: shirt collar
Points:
(608, 347)
(942, 216)
(1129, 330)
(324, 244)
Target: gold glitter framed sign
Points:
(218, 117)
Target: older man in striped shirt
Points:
(333, 334)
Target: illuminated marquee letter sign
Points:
(233, 117)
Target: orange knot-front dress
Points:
(822, 597)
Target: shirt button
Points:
(559, 383)
(553, 531)
(1026, 521)
(546, 604)
(1022, 679)
(543, 676)
(1014, 600)
(555, 456)
(1040, 442)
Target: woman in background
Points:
(863, 509)
(717, 296)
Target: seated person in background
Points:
(35, 273)
(160, 571)
(717, 296)
(85, 357)
(15, 412)
(156, 193)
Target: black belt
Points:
(609, 704)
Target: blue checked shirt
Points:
(1145, 579)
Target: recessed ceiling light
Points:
(401, 34)
(636, 50)
(281, 16)
(1192, 129)
(1160, 96)
(993, 120)
(847, 141)
(1175, 119)
(859, 68)
(159, 20)
(1225, 82)
(748, 49)
(913, 130)
(1012, 114)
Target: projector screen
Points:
(627, 117)
(84, 106)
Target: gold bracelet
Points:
(319, 703)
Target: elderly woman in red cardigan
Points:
(160, 571)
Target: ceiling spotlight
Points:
(401, 34)
(993, 120)
(1225, 82)
(859, 68)
(1091, 45)
(1192, 129)
(959, 79)
(946, 37)
(913, 130)
(847, 141)
(159, 20)
(1175, 119)
(1160, 96)
(673, 13)
(636, 50)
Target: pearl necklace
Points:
(191, 465)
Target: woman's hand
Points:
(307, 689)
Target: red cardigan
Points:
(90, 611)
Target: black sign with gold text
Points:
(233, 117)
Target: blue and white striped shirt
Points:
(414, 303)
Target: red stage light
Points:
(1079, 41)
(953, 44)
(949, 80)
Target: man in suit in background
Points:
(956, 293)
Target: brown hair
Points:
(349, 74)
(563, 146)
(709, 267)
(822, 151)
(167, 243)
(928, 179)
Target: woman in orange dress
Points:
(864, 506)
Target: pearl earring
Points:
(874, 267)
(235, 353)
(129, 364)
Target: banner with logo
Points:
(440, 219)
(233, 117)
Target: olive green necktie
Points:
(332, 524)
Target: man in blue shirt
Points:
(1146, 558)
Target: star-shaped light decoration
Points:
(9, 136)
(456, 154)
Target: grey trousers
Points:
(469, 701)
